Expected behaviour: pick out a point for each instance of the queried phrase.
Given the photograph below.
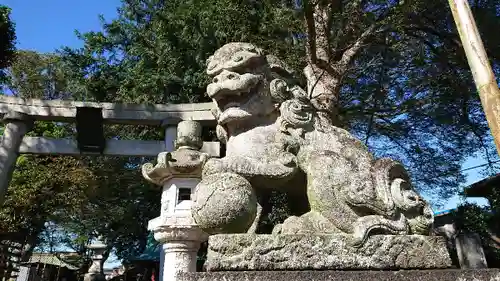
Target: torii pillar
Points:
(17, 124)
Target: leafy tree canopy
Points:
(397, 69)
(7, 40)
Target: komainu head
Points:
(242, 82)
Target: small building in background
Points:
(471, 250)
(48, 267)
(484, 189)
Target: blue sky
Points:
(44, 26)
(49, 24)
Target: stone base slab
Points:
(404, 275)
(248, 252)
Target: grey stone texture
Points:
(226, 204)
(470, 251)
(17, 124)
(141, 148)
(325, 252)
(404, 275)
(185, 161)
(278, 138)
(118, 113)
(94, 277)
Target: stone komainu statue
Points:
(277, 138)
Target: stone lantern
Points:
(95, 272)
(178, 172)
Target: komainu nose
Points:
(225, 76)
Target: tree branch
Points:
(358, 44)
(380, 84)
(354, 49)
(311, 30)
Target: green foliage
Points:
(81, 197)
(471, 218)
(41, 187)
(275, 210)
(7, 40)
(118, 208)
(408, 94)
(35, 75)
(155, 52)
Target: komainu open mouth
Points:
(235, 106)
(238, 99)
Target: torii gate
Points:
(19, 115)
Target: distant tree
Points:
(41, 186)
(36, 75)
(7, 40)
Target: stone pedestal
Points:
(230, 252)
(178, 172)
(17, 125)
(181, 239)
(176, 230)
(362, 275)
(179, 257)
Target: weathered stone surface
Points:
(189, 135)
(404, 275)
(279, 137)
(17, 125)
(119, 113)
(141, 148)
(94, 277)
(185, 161)
(226, 205)
(323, 252)
(470, 251)
(179, 172)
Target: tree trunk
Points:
(327, 66)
